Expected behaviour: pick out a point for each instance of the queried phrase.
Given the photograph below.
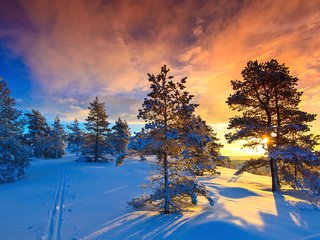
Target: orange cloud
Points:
(79, 49)
(285, 30)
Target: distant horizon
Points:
(232, 150)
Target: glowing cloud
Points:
(78, 49)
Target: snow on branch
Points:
(252, 164)
(295, 154)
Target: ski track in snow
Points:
(55, 215)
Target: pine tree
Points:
(269, 101)
(96, 141)
(164, 111)
(120, 138)
(75, 137)
(56, 141)
(38, 134)
(203, 148)
(14, 153)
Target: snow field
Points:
(63, 199)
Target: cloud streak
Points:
(76, 50)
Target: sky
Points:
(58, 55)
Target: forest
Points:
(182, 148)
(184, 144)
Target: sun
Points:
(265, 140)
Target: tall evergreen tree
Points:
(163, 111)
(120, 138)
(56, 142)
(269, 101)
(38, 134)
(75, 137)
(96, 140)
(13, 151)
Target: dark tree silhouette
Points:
(14, 154)
(120, 138)
(57, 136)
(96, 140)
(268, 99)
(38, 134)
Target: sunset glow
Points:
(160, 119)
(58, 55)
(265, 140)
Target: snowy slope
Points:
(62, 199)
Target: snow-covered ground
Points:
(62, 199)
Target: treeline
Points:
(92, 143)
(185, 145)
(23, 136)
(267, 102)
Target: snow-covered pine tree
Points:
(38, 134)
(75, 137)
(57, 139)
(96, 141)
(269, 101)
(298, 167)
(162, 110)
(14, 153)
(120, 138)
(202, 146)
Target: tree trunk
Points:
(273, 162)
(56, 151)
(166, 184)
(77, 150)
(165, 163)
(274, 175)
(96, 149)
(97, 136)
(274, 171)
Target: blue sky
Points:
(58, 55)
(17, 74)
